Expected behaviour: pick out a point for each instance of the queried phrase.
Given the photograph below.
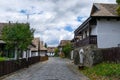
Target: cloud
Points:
(53, 20)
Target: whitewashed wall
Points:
(24, 54)
(43, 53)
(34, 54)
(93, 30)
(108, 33)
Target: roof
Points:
(51, 49)
(35, 42)
(82, 25)
(42, 48)
(64, 42)
(100, 9)
(2, 42)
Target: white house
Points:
(62, 44)
(35, 50)
(43, 49)
(51, 51)
(100, 30)
(11, 53)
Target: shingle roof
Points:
(100, 9)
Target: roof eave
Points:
(82, 25)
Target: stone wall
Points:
(86, 52)
(91, 55)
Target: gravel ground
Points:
(53, 69)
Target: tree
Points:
(118, 7)
(118, 2)
(18, 36)
(67, 49)
(56, 51)
(45, 45)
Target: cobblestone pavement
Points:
(53, 69)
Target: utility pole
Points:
(27, 18)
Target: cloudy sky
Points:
(53, 20)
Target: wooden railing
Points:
(89, 40)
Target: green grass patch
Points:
(3, 58)
(103, 71)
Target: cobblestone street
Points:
(53, 69)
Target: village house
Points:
(2, 43)
(100, 30)
(35, 51)
(43, 49)
(62, 44)
(51, 51)
(11, 52)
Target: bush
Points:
(56, 52)
(67, 49)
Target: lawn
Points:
(103, 71)
(3, 58)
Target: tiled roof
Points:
(100, 9)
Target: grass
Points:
(103, 71)
(3, 58)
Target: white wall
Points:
(50, 54)
(108, 33)
(93, 30)
(43, 53)
(24, 54)
(34, 54)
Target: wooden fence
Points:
(43, 58)
(111, 54)
(7, 67)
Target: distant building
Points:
(35, 50)
(62, 44)
(39, 50)
(43, 50)
(51, 51)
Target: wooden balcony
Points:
(89, 40)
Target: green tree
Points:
(67, 49)
(118, 1)
(56, 51)
(118, 7)
(17, 36)
(45, 45)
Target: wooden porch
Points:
(92, 39)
